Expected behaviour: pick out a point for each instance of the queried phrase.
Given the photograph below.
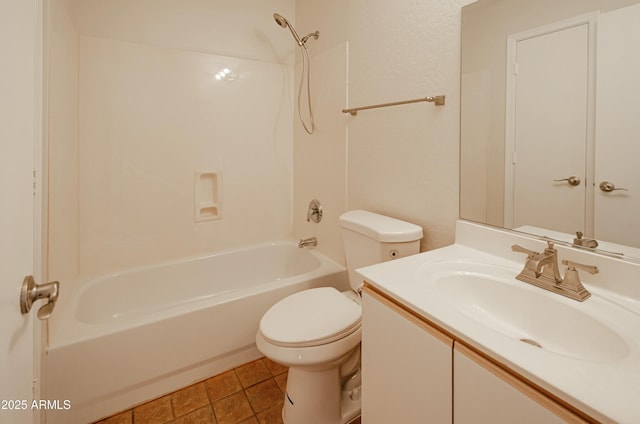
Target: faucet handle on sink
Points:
(572, 278)
(591, 269)
(520, 249)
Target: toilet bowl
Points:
(317, 332)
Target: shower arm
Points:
(315, 35)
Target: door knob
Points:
(608, 187)
(572, 180)
(32, 292)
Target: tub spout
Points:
(311, 241)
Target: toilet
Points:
(316, 332)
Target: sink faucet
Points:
(545, 263)
(311, 241)
(581, 241)
(541, 270)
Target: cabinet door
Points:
(406, 366)
(484, 393)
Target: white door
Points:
(618, 127)
(548, 128)
(18, 110)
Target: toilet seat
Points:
(311, 318)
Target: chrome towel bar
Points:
(436, 100)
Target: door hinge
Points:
(34, 182)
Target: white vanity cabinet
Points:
(486, 393)
(414, 373)
(406, 366)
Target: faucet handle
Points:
(571, 266)
(572, 278)
(520, 249)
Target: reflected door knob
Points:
(608, 187)
(572, 180)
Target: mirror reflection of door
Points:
(618, 126)
(548, 127)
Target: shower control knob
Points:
(314, 212)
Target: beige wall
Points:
(400, 161)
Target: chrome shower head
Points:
(282, 21)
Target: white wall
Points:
(240, 28)
(400, 161)
(149, 118)
(484, 74)
(62, 139)
(320, 160)
(135, 110)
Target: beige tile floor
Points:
(250, 394)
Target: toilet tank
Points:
(370, 238)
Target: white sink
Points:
(490, 295)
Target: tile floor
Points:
(250, 394)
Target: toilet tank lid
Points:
(379, 227)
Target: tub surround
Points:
(176, 323)
(602, 384)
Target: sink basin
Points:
(490, 295)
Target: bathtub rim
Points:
(69, 330)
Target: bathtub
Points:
(132, 336)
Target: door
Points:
(548, 127)
(18, 111)
(618, 127)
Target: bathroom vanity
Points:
(440, 371)
(450, 336)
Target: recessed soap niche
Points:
(207, 195)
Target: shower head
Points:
(282, 21)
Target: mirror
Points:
(549, 121)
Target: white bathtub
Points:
(129, 337)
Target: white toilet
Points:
(316, 332)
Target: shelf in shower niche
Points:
(207, 195)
